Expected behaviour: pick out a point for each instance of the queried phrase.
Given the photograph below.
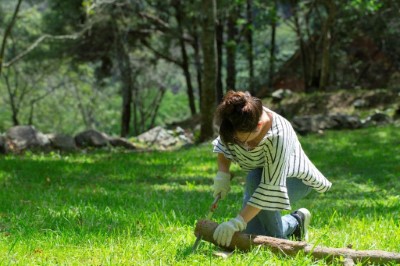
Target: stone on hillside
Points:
(26, 138)
(315, 123)
(62, 142)
(91, 138)
(377, 119)
(360, 103)
(346, 121)
(280, 94)
(121, 142)
(158, 136)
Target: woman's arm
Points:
(223, 163)
(249, 212)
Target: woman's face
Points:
(243, 138)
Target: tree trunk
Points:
(185, 58)
(220, 44)
(13, 101)
(249, 37)
(7, 33)
(274, 18)
(125, 69)
(246, 242)
(302, 45)
(231, 50)
(197, 59)
(208, 95)
(326, 44)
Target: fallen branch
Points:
(246, 242)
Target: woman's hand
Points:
(224, 232)
(222, 184)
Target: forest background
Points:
(124, 66)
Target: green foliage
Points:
(174, 108)
(367, 5)
(140, 208)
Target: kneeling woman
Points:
(263, 143)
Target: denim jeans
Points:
(271, 223)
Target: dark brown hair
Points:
(238, 112)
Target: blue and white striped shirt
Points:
(281, 156)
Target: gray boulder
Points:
(158, 136)
(91, 138)
(121, 142)
(316, 123)
(377, 119)
(62, 142)
(280, 94)
(27, 138)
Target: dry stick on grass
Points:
(245, 242)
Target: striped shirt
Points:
(281, 156)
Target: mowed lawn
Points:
(120, 208)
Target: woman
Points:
(264, 144)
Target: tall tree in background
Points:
(185, 58)
(208, 97)
(274, 21)
(249, 39)
(220, 43)
(7, 33)
(330, 7)
(231, 46)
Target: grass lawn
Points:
(112, 208)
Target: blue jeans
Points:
(271, 223)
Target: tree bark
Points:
(326, 44)
(7, 33)
(274, 18)
(249, 37)
(208, 95)
(185, 58)
(220, 44)
(125, 69)
(232, 33)
(197, 57)
(301, 44)
(245, 242)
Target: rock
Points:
(26, 138)
(360, 103)
(346, 121)
(377, 119)
(318, 123)
(280, 94)
(121, 142)
(62, 142)
(91, 138)
(158, 136)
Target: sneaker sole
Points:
(306, 222)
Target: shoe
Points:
(303, 217)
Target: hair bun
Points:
(235, 102)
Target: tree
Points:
(210, 69)
(7, 33)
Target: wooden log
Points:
(246, 242)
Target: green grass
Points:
(113, 208)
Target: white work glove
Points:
(224, 232)
(222, 184)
